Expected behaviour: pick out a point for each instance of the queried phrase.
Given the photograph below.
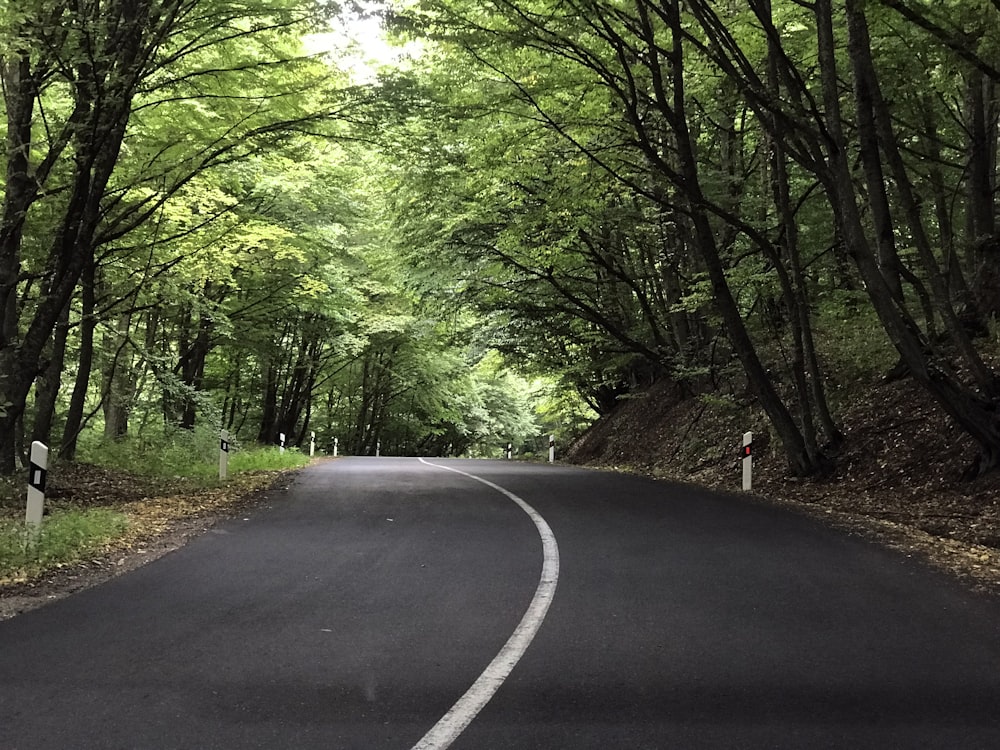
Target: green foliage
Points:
(266, 459)
(66, 537)
(856, 349)
(179, 453)
(560, 410)
(192, 454)
(493, 241)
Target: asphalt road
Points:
(355, 610)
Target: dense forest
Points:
(216, 217)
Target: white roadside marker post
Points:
(224, 455)
(552, 449)
(336, 446)
(378, 448)
(38, 468)
(510, 451)
(747, 461)
(281, 442)
(312, 444)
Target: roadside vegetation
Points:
(124, 499)
(187, 454)
(899, 472)
(66, 537)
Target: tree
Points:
(93, 74)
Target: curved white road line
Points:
(453, 723)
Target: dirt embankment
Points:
(897, 477)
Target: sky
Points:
(359, 44)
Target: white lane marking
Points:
(453, 723)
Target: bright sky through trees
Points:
(358, 43)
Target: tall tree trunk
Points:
(809, 377)
(802, 459)
(958, 287)
(982, 164)
(84, 365)
(267, 433)
(233, 386)
(878, 199)
(119, 384)
(192, 370)
(48, 384)
(19, 193)
(972, 411)
(19, 189)
(864, 69)
(981, 238)
(122, 36)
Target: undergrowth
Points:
(70, 534)
(65, 537)
(187, 454)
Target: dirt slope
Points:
(897, 477)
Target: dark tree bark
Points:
(85, 363)
(191, 369)
(48, 384)
(803, 459)
(982, 162)
(974, 412)
(958, 288)
(981, 236)
(878, 198)
(267, 432)
(864, 69)
(20, 189)
(121, 36)
(809, 376)
(118, 387)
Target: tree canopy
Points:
(208, 222)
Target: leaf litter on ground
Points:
(162, 514)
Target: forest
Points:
(221, 214)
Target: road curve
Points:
(355, 609)
(454, 723)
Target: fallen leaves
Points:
(897, 477)
(161, 515)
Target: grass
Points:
(266, 459)
(65, 537)
(188, 454)
(130, 507)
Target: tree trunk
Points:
(802, 461)
(982, 164)
(267, 433)
(864, 68)
(878, 199)
(20, 189)
(809, 377)
(981, 238)
(119, 384)
(972, 411)
(192, 371)
(85, 363)
(958, 288)
(48, 384)
(123, 35)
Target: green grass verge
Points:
(265, 459)
(69, 535)
(192, 455)
(66, 537)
